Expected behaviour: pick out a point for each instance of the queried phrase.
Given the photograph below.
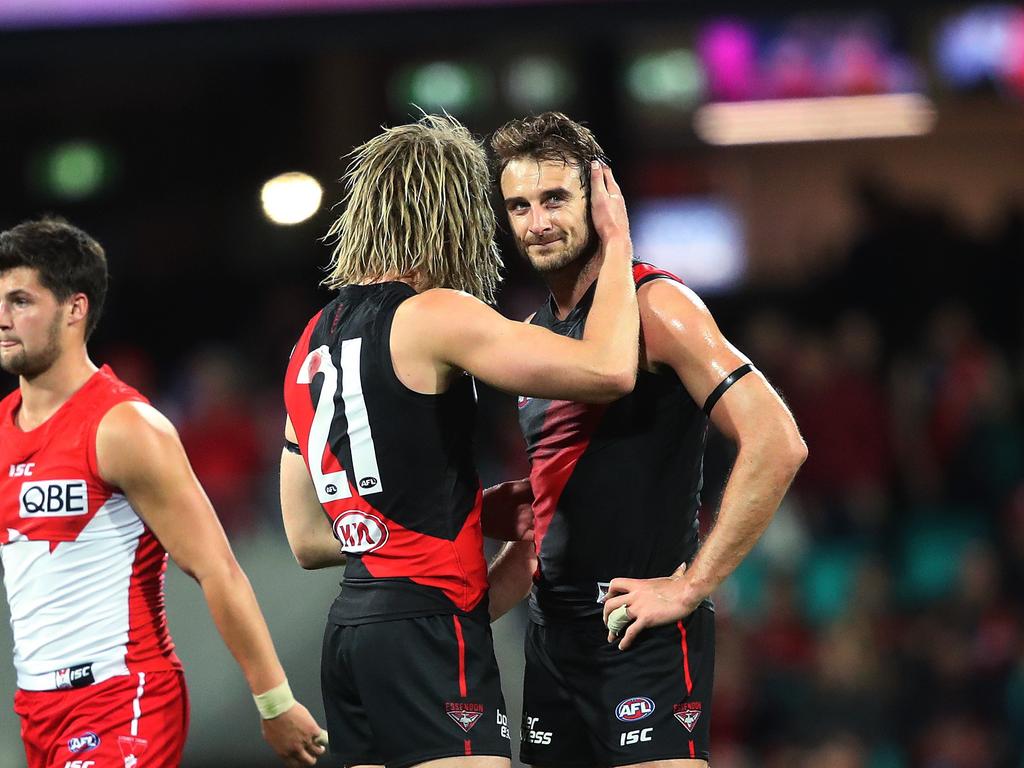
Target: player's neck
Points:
(569, 284)
(43, 395)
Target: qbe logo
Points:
(54, 498)
(359, 532)
(636, 708)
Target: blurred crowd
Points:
(879, 622)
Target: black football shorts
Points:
(405, 691)
(587, 703)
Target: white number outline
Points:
(331, 486)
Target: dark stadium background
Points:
(878, 283)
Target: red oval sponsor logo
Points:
(360, 532)
(636, 708)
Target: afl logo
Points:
(631, 710)
(359, 532)
(368, 482)
(87, 741)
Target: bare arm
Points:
(306, 525)
(139, 452)
(510, 576)
(467, 335)
(679, 332)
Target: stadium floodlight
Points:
(291, 198)
(817, 119)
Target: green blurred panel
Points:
(73, 170)
(442, 86)
(539, 82)
(671, 78)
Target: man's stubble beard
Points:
(30, 366)
(582, 254)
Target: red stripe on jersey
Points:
(148, 637)
(462, 656)
(568, 428)
(693, 751)
(686, 659)
(643, 272)
(460, 573)
(468, 747)
(296, 396)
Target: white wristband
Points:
(274, 702)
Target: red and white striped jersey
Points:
(83, 574)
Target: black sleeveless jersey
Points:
(616, 487)
(392, 468)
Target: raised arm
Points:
(466, 334)
(679, 332)
(139, 452)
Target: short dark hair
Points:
(547, 136)
(67, 260)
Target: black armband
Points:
(727, 382)
(292, 447)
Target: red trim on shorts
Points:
(686, 663)
(462, 660)
(469, 748)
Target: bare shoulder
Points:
(441, 301)
(134, 420)
(132, 437)
(679, 330)
(665, 299)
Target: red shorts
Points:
(134, 721)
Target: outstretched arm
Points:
(139, 452)
(467, 335)
(680, 333)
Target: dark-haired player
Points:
(95, 490)
(617, 489)
(381, 407)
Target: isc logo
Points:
(635, 737)
(636, 708)
(22, 470)
(79, 764)
(359, 532)
(54, 498)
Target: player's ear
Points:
(78, 309)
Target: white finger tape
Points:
(619, 619)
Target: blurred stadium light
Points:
(671, 78)
(538, 82)
(291, 198)
(838, 117)
(437, 86)
(72, 170)
(701, 240)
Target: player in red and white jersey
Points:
(95, 490)
(380, 468)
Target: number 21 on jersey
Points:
(331, 486)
